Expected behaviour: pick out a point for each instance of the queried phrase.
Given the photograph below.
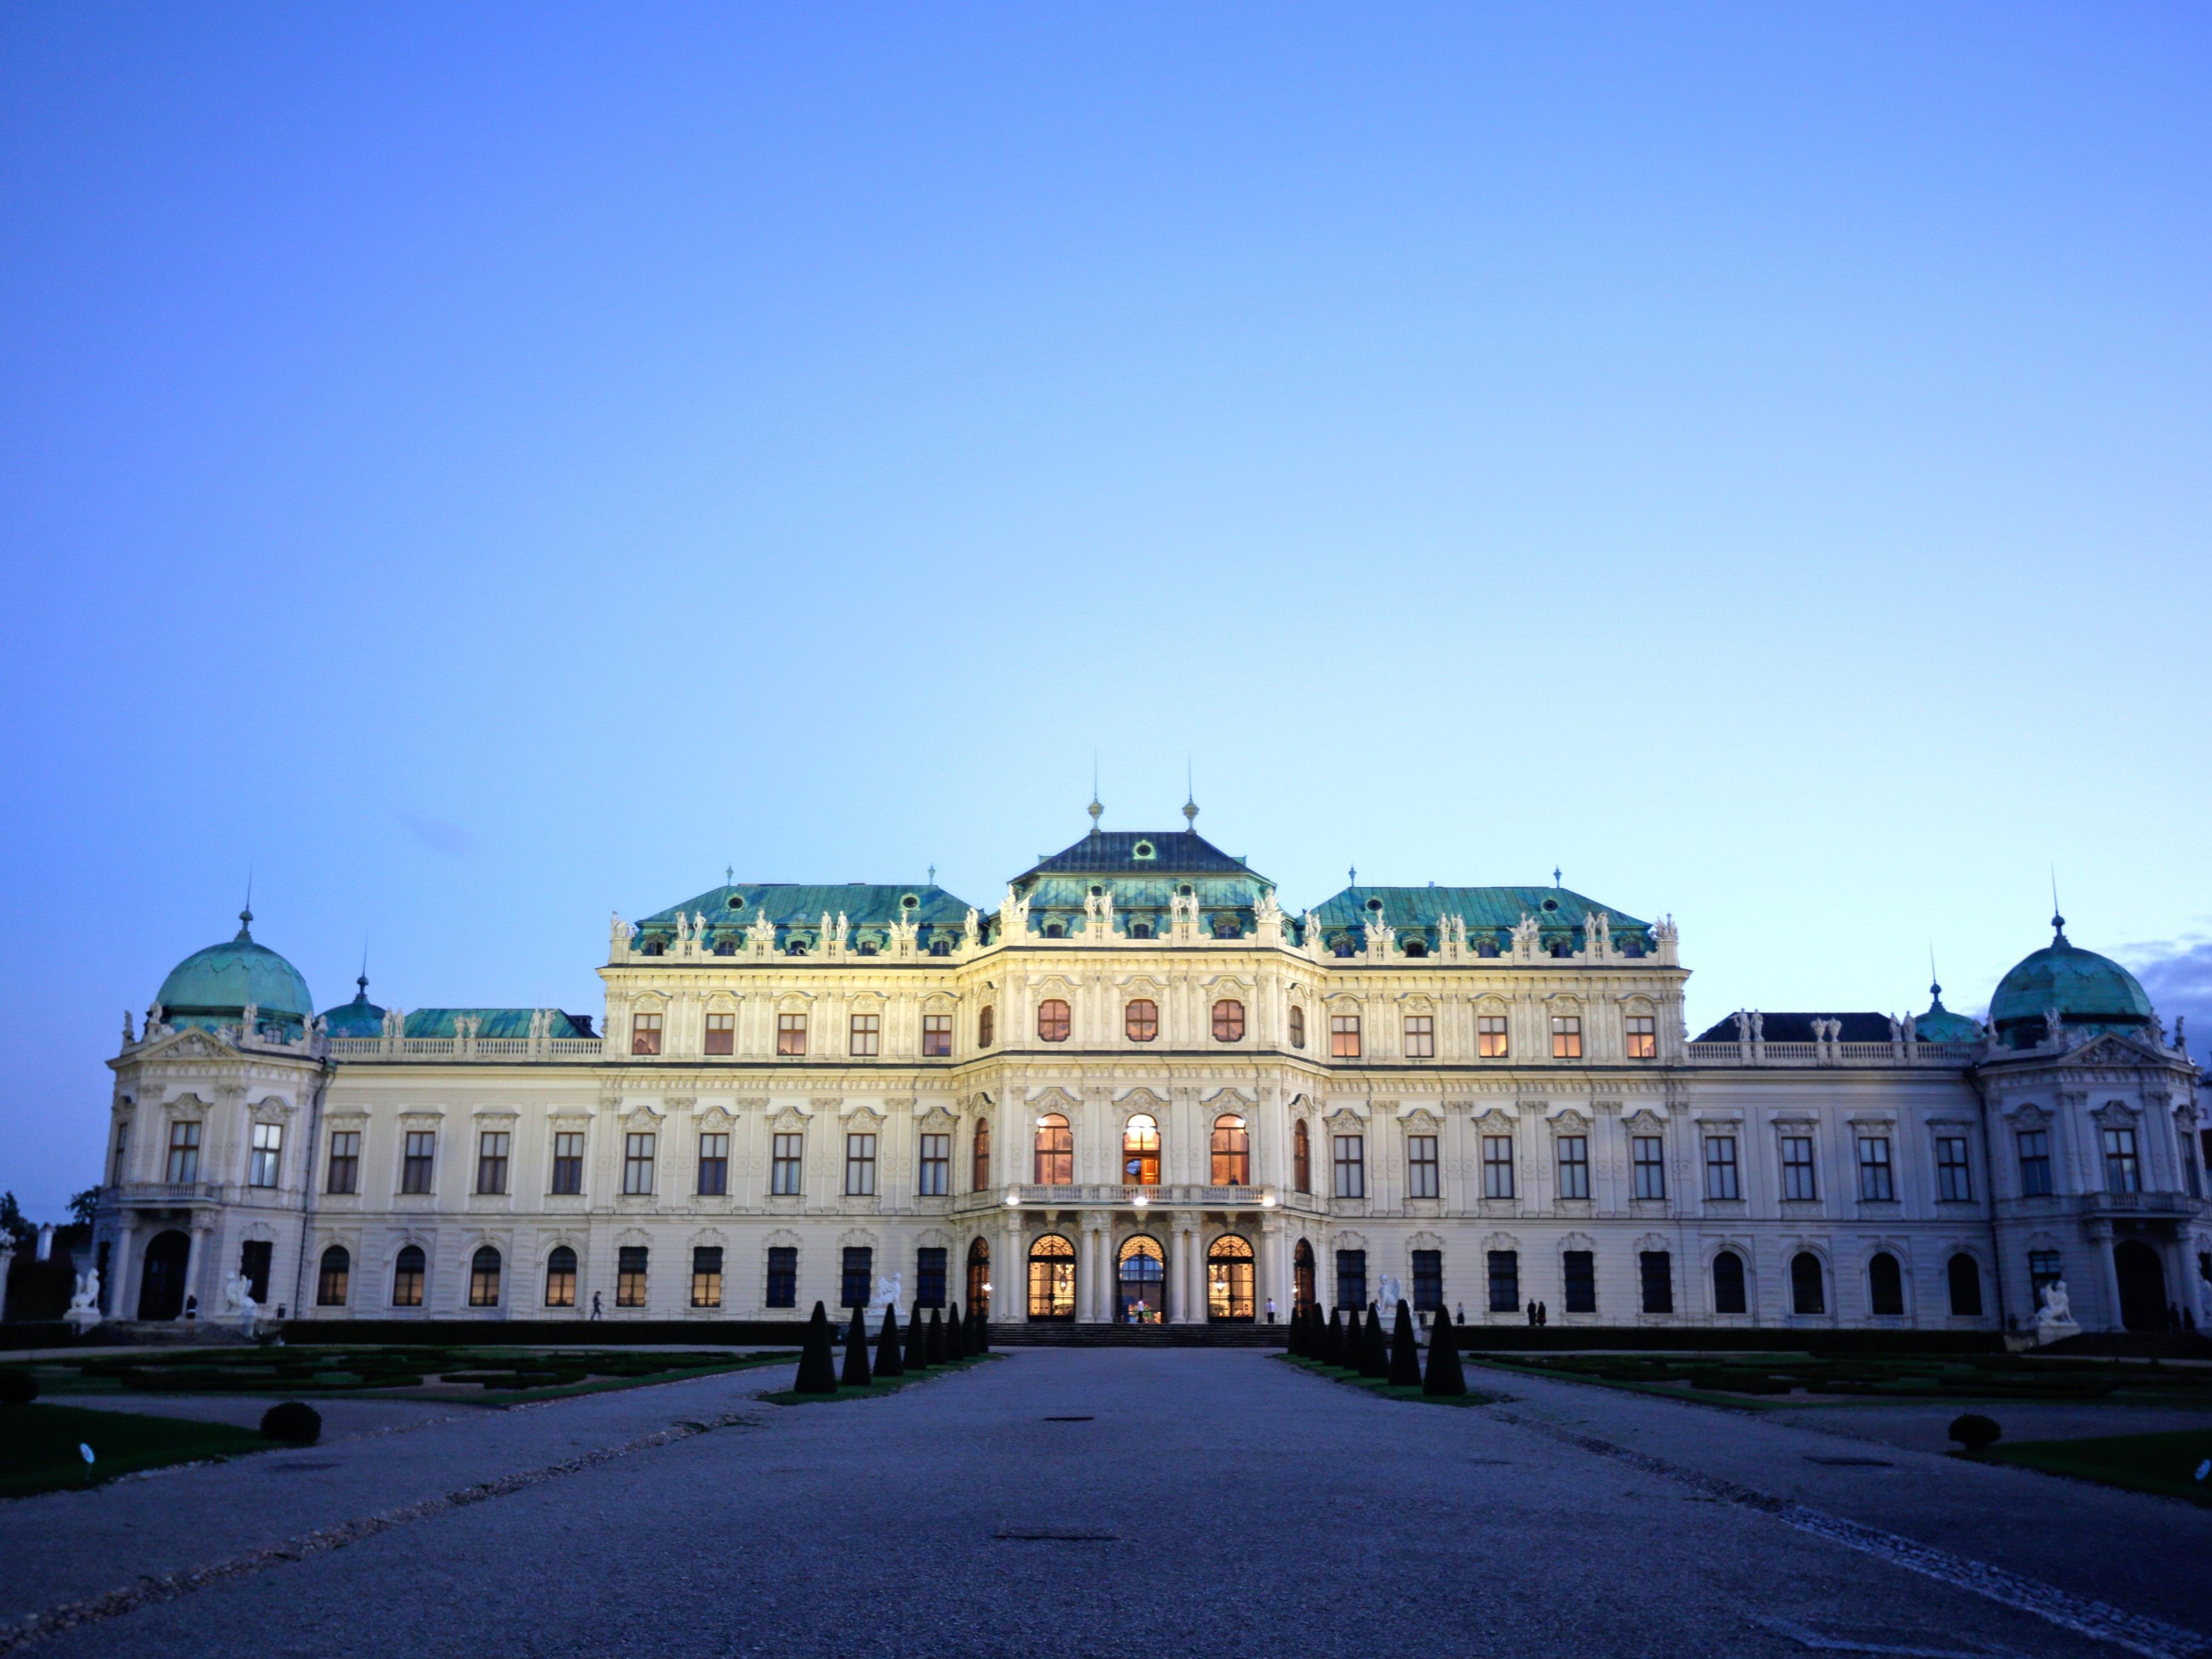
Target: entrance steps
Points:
(1054, 1334)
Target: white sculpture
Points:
(2054, 1318)
(84, 1307)
(238, 1298)
(1393, 1292)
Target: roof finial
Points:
(1352, 877)
(245, 916)
(1555, 875)
(2058, 921)
(1094, 809)
(932, 875)
(1934, 985)
(362, 982)
(1189, 796)
(729, 875)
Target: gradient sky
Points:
(482, 467)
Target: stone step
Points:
(1056, 1334)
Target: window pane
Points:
(1643, 1037)
(1297, 1026)
(421, 1148)
(560, 1278)
(936, 1036)
(1498, 1166)
(1420, 1037)
(1343, 1036)
(2035, 1163)
(790, 1033)
(860, 1167)
(345, 1162)
(491, 1161)
(1352, 1280)
(1420, 1166)
(1721, 1168)
(707, 1276)
(721, 1034)
(1505, 1282)
(1490, 1036)
(1055, 1152)
(1574, 1166)
(1052, 1020)
(929, 1277)
(1656, 1270)
(1875, 1184)
(637, 1163)
(1228, 1021)
(1579, 1272)
(1650, 1162)
(645, 1033)
(784, 1165)
(1954, 1180)
(1428, 1280)
(782, 1276)
(936, 1165)
(1232, 1152)
(713, 1165)
(866, 1034)
(1797, 1181)
(569, 1163)
(1350, 1166)
(1141, 1019)
(1566, 1037)
(629, 1276)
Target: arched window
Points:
(979, 1277)
(1228, 927)
(1232, 1151)
(1229, 1020)
(1806, 1293)
(1052, 1278)
(1140, 1283)
(1302, 1277)
(1300, 1158)
(986, 1026)
(1885, 1284)
(1052, 1020)
(483, 1277)
(1141, 1019)
(1229, 1280)
(1727, 1284)
(1415, 948)
(1140, 930)
(1966, 1275)
(980, 1177)
(1055, 1152)
(407, 1278)
(1297, 1026)
(1140, 1151)
(336, 1274)
(560, 1278)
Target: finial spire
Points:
(245, 916)
(2058, 921)
(729, 875)
(1189, 796)
(1934, 985)
(1094, 809)
(361, 984)
(1555, 875)
(1352, 877)
(932, 875)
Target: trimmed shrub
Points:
(1374, 1355)
(293, 1422)
(978, 1330)
(936, 1337)
(1332, 1341)
(817, 1358)
(917, 1342)
(889, 1361)
(1444, 1375)
(1296, 1344)
(18, 1386)
(856, 1352)
(1405, 1351)
(1976, 1433)
(956, 1336)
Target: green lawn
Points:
(1388, 1391)
(1782, 1379)
(38, 1445)
(2162, 1463)
(881, 1386)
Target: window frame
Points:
(1428, 1281)
(787, 1164)
(859, 1164)
(720, 1033)
(333, 1280)
(1955, 1170)
(1723, 1170)
(484, 1279)
(1655, 1274)
(791, 1034)
(1877, 1173)
(1141, 1148)
(706, 1275)
(1503, 1274)
(712, 1174)
(1053, 1166)
(864, 1035)
(264, 1162)
(986, 1025)
(1498, 1166)
(1424, 1172)
(1578, 1281)
(937, 1036)
(640, 1152)
(2122, 1153)
(1348, 1160)
(1420, 1037)
(1647, 1157)
(1493, 1037)
(568, 1169)
(1800, 1170)
(495, 1149)
(1344, 1036)
(342, 1170)
(646, 1031)
(934, 1165)
(1301, 1157)
(1640, 1035)
(183, 1164)
(1056, 1021)
(1230, 1150)
(2038, 1179)
(1228, 1019)
(1571, 1158)
(561, 1294)
(418, 1162)
(780, 1286)
(1140, 1019)
(409, 1279)
(633, 1275)
(979, 1157)
(1566, 1037)
(1298, 1025)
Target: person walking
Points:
(595, 1304)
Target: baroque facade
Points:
(1139, 1089)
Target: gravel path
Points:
(1205, 1502)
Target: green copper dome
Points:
(1939, 1024)
(2088, 990)
(212, 986)
(358, 1019)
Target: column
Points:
(1086, 1281)
(1174, 1241)
(1271, 1281)
(2108, 1273)
(118, 1278)
(196, 1253)
(1010, 1274)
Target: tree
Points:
(936, 1337)
(1332, 1341)
(1445, 1377)
(956, 1336)
(888, 1360)
(917, 1343)
(13, 1223)
(1405, 1350)
(1374, 1353)
(856, 1352)
(817, 1358)
(85, 1206)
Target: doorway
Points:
(1228, 1281)
(1302, 1277)
(1140, 1283)
(1052, 1278)
(2142, 1285)
(161, 1287)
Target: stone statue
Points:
(128, 1039)
(887, 1292)
(2054, 1318)
(1391, 1291)
(238, 1298)
(84, 1306)
(1758, 1026)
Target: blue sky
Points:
(483, 467)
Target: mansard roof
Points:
(1142, 852)
(1798, 1028)
(490, 1022)
(1556, 910)
(731, 909)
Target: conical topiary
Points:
(817, 1357)
(956, 1336)
(1296, 1344)
(936, 1337)
(856, 1352)
(917, 1343)
(1405, 1351)
(1374, 1352)
(1332, 1338)
(978, 1330)
(889, 1360)
(1444, 1376)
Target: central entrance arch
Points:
(2142, 1285)
(1228, 1281)
(161, 1287)
(1140, 1283)
(1052, 1278)
(979, 1278)
(1302, 1277)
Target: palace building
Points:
(1139, 1089)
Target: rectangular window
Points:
(1498, 1166)
(714, 1166)
(1954, 1180)
(929, 1276)
(345, 1162)
(721, 1036)
(1490, 1036)
(859, 1277)
(707, 1276)
(637, 1163)
(629, 1276)
(1574, 1166)
(1505, 1281)
(568, 1162)
(1428, 1280)
(1350, 1166)
(1297, 1026)
(1352, 1280)
(1420, 1037)
(1658, 1269)
(1720, 1168)
(491, 1161)
(1797, 1178)
(645, 1033)
(867, 1035)
(783, 1275)
(122, 1159)
(1643, 1037)
(331, 1277)
(419, 1155)
(986, 1025)
(936, 1166)
(184, 1151)
(1566, 1037)
(783, 1167)
(1648, 1154)
(790, 1033)
(936, 1036)
(1420, 1166)
(859, 1168)
(1875, 1184)
(2043, 1268)
(267, 1155)
(1343, 1036)
(2123, 1174)
(1580, 1270)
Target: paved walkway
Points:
(1212, 1501)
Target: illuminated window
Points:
(979, 1277)
(1055, 1152)
(333, 1277)
(1141, 1019)
(721, 1034)
(483, 1277)
(407, 1278)
(936, 1174)
(1566, 1037)
(1232, 1151)
(1343, 1036)
(1052, 1278)
(645, 1033)
(790, 1033)
(1490, 1036)
(1643, 1037)
(267, 1155)
(713, 1165)
(1300, 1158)
(560, 1278)
(1140, 1151)
(1229, 1280)
(707, 1276)
(936, 1036)
(1297, 1026)
(629, 1276)
(1420, 1166)
(1420, 1037)
(1228, 1021)
(1052, 1020)
(867, 1035)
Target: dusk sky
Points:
(478, 468)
